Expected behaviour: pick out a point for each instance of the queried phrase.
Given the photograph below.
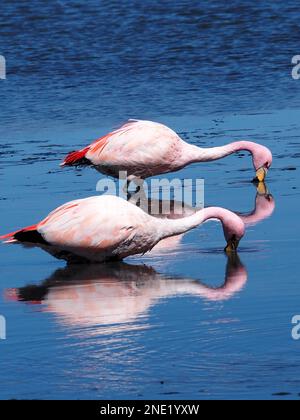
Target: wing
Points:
(95, 223)
(136, 143)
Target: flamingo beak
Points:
(261, 174)
(262, 189)
(232, 246)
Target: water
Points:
(152, 327)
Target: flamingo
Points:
(107, 227)
(117, 294)
(144, 148)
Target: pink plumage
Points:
(146, 148)
(106, 227)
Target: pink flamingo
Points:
(145, 148)
(106, 227)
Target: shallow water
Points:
(181, 322)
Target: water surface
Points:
(183, 321)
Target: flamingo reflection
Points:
(264, 206)
(119, 294)
(263, 209)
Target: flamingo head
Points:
(234, 230)
(233, 225)
(232, 245)
(262, 161)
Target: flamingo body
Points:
(106, 227)
(141, 148)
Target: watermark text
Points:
(2, 328)
(2, 67)
(296, 68)
(296, 328)
(174, 195)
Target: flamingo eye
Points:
(267, 165)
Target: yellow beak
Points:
(262, 188)
(261, 174)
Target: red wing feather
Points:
(12, 234)
(75, 158)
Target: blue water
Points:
(152, 327)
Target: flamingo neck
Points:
(236, 277)
(172, 227)
(197, 154)
(264, 207)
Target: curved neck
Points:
(197, 154)
(171, 227)
(235, 279)
(264, 207)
